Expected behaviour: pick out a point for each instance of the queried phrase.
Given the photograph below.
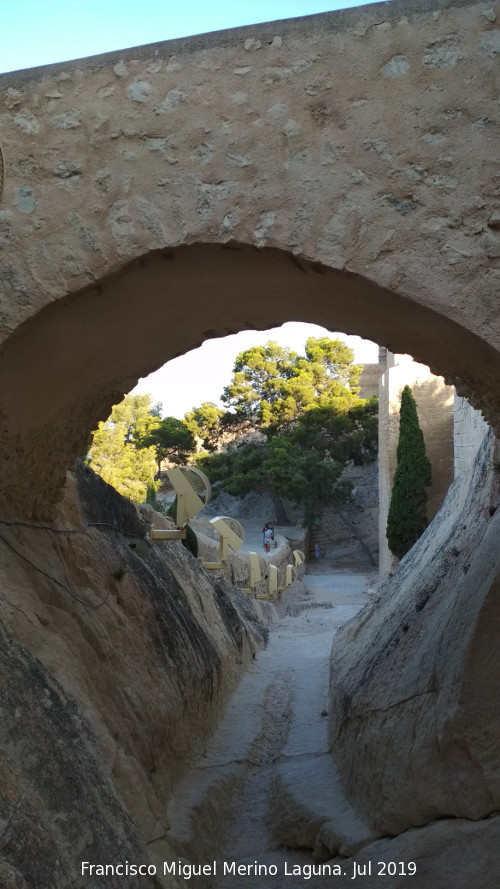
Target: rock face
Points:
(415, 715)
(116, 660)
(349, 535)
(59, 803)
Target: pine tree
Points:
(276, 385)
(407, 518)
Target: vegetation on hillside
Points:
(306, 407)
(407, 517)
(204, 422)
(115, 454)
(313, 420)
(303, 462)
(171, 440)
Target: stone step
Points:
(201, 811)
(310, 810)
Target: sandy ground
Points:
(268, 764)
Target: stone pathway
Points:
(266, 779)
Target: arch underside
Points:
(62, 370)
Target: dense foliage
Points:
(114, 454)
(205, 423)
(171, 440)
(128, 447)
(274, 385)
(303, 462)
(307, 406)
(407, 518)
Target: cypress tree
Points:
(407, 518)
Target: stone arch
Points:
(62, 370)
(338, 168)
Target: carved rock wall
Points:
(414, 707)
(469, 429)
(116, 659)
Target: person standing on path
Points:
(267, 536)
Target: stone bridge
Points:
(340, 168)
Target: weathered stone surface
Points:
(139, 90)
(59, 804)
(414, 710)
(396, 67)
(25, 199)
(116, 658)
(447, 854)
(348, 535)
(27, 122)
(70, 120)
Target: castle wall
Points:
(369, 380)
(435, 402)
(469, 430)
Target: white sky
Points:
(202, 374)
(40, 32)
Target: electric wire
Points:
(67, 530)
(60, 531)
(52, 578)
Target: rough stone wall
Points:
(369, 380)
(338, 168)
(349, 535)
(469, 430)
(116, 659)
(414, 704)
(435, 402)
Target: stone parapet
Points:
(237, 568)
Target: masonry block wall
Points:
(435, 406)
(469, 431)
(369, 380)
